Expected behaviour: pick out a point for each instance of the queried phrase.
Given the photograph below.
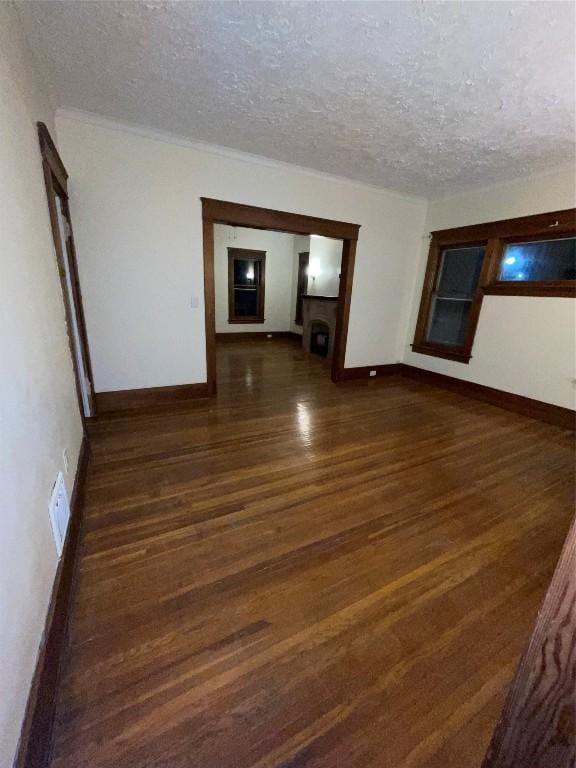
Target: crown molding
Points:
(165, 137)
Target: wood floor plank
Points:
(304, 574)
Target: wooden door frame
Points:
(239, 215)
(56, 180)
(303, 264)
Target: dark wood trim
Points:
(343, 308)
(555, 222)
(209, 304)
(247, 254)
(562, 288)
(421, 345)
(301, 285)
(527, 406)
(444, 352)
(131, 399)
(363, 371)
(36, 736)
(55, 178)
(52, 156)
(240, 215)
(235, 214)
(247, 320)
(494, 236)
(538, 724)
(258, 336)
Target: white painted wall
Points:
(301, 245)
(39, 414)
(524, 345)
(138, 228)
(324, 266)
(279, 249)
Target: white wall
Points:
(39, 414)
(325, 261)
(524, 345)
(279, 249)
(138, 232)
(301, 245)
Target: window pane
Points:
(449, 321)
(246, 272)
(541, 260)
(460, 271)
(245, 302)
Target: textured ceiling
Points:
(421, 97)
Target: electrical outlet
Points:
(372, 373)
(268, 335)
(194, 302)
(59, 510)
(65, 460)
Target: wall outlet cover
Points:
(372, 373)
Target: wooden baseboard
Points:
(36, 735)
(130, 399)
(258, 336)
(535, 409)
(363, 371)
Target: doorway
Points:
(235, 214)
(56, 180)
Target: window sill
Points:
(246, 320)
(447, 354)
(510, 288)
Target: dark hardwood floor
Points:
(304, 574)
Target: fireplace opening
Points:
(319, 338)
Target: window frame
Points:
(246, 254)
(497, 287)
(494, 236)
(463, 353)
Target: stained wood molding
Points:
(536, 409)
(131, 399)
(56, 181)
(538, 724)
(554, 223)
(363, 371)
(36, 735)
(237, 214)
(494, 237)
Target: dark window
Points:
(541, 260)
(528, 256)
(246, 276)
(455, 290)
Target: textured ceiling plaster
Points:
(426, 98)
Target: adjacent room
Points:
(275, 293)
(288, 389)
